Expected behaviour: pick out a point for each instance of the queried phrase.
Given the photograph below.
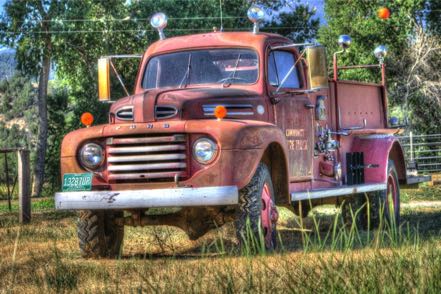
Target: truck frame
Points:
(224, 127)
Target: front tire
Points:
(98, 233)
(257, 217)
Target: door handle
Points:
(275, 100)
(309, 105)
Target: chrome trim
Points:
(152, 166)
(232, 109)
(143, 176)
(144, 140)
(138, 149)
(166, 113)
(134, 199)
(126, 111)
(337, 191)
(153, 157)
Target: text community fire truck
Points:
(224, 126)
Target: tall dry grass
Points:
(319, 257)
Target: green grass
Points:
(38, 205)
(424, 192)
(319, 257)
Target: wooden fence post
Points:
(24, 186)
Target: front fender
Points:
(243, 145)
(379, 149)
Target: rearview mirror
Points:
(317, 68)
(104, 79)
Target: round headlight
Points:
(91, 156)
(204, 150)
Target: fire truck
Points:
(225, 127)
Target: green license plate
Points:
(77, 182)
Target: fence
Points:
(423, 151)
(23, 179)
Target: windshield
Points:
(222, 66)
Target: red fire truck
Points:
(225, 127)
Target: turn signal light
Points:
(87, 119)
(383, 13)
(220, 112)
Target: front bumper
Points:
(134, 199)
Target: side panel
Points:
(296, 121)
(358, 102)
(378, 149)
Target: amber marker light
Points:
(383, 13)
(87, 119)
(220, 112)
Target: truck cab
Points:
(224, 127)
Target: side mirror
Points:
(104, 79)
(317, 68)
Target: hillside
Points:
(7, 63)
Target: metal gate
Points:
(423, 151)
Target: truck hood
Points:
(191, 103)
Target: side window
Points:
(280, 64)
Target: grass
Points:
(425, 192)
(318, 257)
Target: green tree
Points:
(412, 61)
(358, 18)
(27, 26)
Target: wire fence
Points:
(423, 152)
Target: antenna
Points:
(221, 16)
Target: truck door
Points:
(293, 111)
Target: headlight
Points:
(204, 150)
(91, 156)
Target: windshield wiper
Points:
(186, 78)
(285, 78)
(233, 74)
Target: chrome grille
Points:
(232, 109)
(165, 111)
(124, 113)
(147, 158)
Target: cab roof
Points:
(214, 39)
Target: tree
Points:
(295, 20)
(26, 26)
(358, 18)
(414, 52)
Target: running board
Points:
(337, 191)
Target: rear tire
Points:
(356, 209)
(257, 216)
(99, 235)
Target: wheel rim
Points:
(391, 196)
(269, 216)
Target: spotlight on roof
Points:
(159, 22)
(380, 52)
(256, 13)
(344, 41)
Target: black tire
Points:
(366, 209)
(393, 217)
(99, 235)
(248, 220)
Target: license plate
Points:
(77, 182)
